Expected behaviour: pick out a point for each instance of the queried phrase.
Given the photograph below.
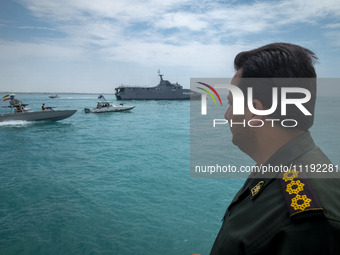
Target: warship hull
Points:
(152, 94)
(163, 91)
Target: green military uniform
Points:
(286, 215)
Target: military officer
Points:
(293, 211)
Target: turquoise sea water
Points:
(116, 183)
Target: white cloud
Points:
(37, 28)
(332, 26)
(131, 10)
(187, 34)
(334, 39)
(116, 24)
(194, 22)
(155, 17)
(52, 51)
(194, 55)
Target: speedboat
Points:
(106, 106)
(20, 111)
(55, 96)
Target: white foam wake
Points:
(14, 123)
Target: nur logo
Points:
(239, 100)
(204, 97)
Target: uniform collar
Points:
(285, 156)
(292, 150)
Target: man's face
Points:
(243, 135)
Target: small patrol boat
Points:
(54, 96)
(106, 106)
(20, 111)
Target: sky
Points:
(86, 46)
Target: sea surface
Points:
(115, 183)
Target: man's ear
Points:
(253, 117)
(257, 104)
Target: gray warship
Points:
(163, 91)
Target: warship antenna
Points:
(160, 75)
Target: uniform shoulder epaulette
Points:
(298, 193)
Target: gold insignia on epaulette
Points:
(257, 188)
(290, 175)
(298, 193)
(300, 202)
(294, 187)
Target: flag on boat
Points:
(100, 96)
(4, 98)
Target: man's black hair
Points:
(280, 60)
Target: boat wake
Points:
(14, 123)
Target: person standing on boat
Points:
(18, 109)
(43, 107)
(292, 212)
